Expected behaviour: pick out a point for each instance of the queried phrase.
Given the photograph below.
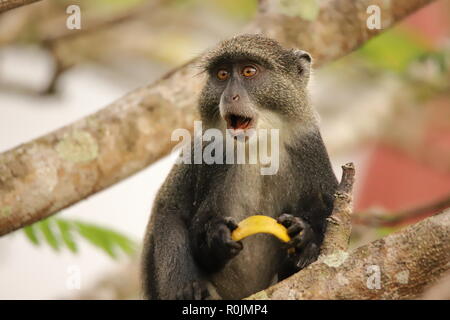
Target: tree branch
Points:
(50, 173)
(340, 26)
(340, 221)
(6, 5)
(439, 290)
(390, 219)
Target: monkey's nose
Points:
(235, 98)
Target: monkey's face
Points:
(235, 82)
(253, 83)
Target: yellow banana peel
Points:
(260, 224)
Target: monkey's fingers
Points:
(234, 247)
(260, 224)
(230, 223)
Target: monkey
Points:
(252, 82)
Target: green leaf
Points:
(106, 239)
(49, 235)
(384, 231)
(65, 229)
(61, 231)
(393, 50)
(127, 245)
(97, 236)
(30, 232)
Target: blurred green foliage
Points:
(59, 233)
(385, 231)
(394, 50)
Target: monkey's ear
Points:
(303, 60)
(302, 55)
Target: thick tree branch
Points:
(340, 27)
(50, 173)
(6, 5)
(439, 290)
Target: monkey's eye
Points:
(249, 71)
(222, 74)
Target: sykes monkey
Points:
(252, 83)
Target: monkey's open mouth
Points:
(236, 122)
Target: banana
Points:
(260, 224)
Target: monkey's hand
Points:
(194, 290)
(219, 239)
(302, 249)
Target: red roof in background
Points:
(433, 23)
(395, 181)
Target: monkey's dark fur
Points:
(188, 252)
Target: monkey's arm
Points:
(306, 227)
(306, 222)
(169, 269)
(211, 240)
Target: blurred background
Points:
(385, 107)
